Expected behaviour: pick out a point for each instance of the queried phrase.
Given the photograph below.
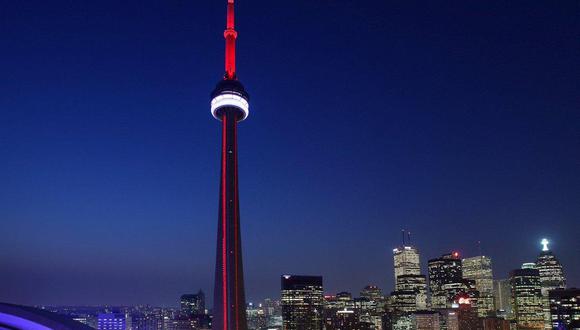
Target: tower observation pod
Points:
(229, 94)
(230, 105)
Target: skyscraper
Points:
(302, 302)
(230, 105)
(467, 315)
(410, 286)
(502, 295)
(406, 261)
(551, 274)
(551, 278)
(479, 270)
(446, 270)
(465, 288)
(527, 298)
(375, 295)
(411, 292)
(256, 316)
(193, 304)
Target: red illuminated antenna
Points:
(231, 35)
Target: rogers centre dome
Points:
(29, 318)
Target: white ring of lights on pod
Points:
(230, 100)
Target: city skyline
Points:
(352, 288)
(110, 160)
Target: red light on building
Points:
(464, 301)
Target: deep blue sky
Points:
(456, 120)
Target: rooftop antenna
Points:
(409, 237)
(403, 233)
(480, 255)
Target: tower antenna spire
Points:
(230, 35)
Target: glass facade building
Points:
(446, 270)
(479, 270)
(302, 302)
(527, 298)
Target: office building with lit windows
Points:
(406, 261)
(111, 321)
(377, 301)
(445, 270)
(479, 270)
(411, 293)
(565, 308)
(410, 286)
(527, 298)
(302, 302)
(551, 273)
(551, 278)
(426, 320)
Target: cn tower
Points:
(229, 104)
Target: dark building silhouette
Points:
(467, 317)
(565, 308)
(302, 302)
(193, 304)
(426, 320)
(347, 319)
(502, 295)
(142, 321)
(495, 323)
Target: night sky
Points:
(457, 120)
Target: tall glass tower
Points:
(229, 104)
(479, 269)
(410, 286)
(551, 278)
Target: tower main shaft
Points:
(229, 295)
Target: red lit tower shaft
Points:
(229, 296)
